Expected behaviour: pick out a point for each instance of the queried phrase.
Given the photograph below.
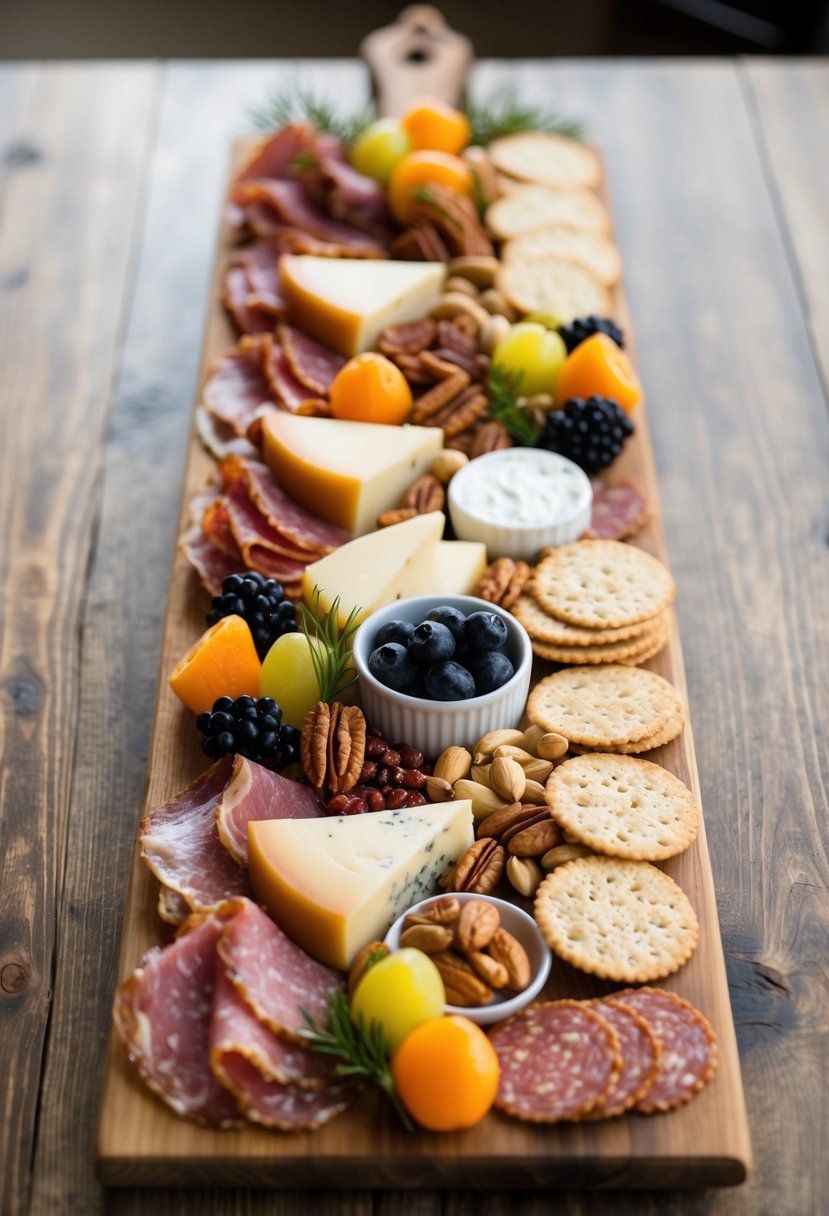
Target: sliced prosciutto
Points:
(290, 203)
(275, 977)
(163, 1013)
(298, 527)
(211, 564)
(180, 843)
(311, 363)
(286, 390)
(244, 306)
(253, 793)
(216, 524)
(261, 546)
(276, 154)
(260, 262)
(237, 390)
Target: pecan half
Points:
(365, 960)
(425, 495)
(513, 816)
(442, 911)
(434, 399)
(410, 337)
(504, 948)
(463, 987)
(332, 746)
(476, 925)
(535, 839)
(480, 868)
(491, 437)
(504, 580)
(396, 515)
(428, 938)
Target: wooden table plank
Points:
(789, 100)
(68, 221)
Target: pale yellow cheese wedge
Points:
(377, 569)
(346, 302)
(336, 884)
(346, 472)
(455, 567)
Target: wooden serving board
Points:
(140, 1142)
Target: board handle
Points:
(418, 54)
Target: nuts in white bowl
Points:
(490, 953)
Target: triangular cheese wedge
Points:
(336, 884)
(346, 302)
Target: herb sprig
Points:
(504, 391)
(361, 1051)
(295, 103)
(503, 114)
(330, 645)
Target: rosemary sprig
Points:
(329, 645)
(294, 103)
(361, 1051)
(504, 408)
(503, 114)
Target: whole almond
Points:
(538, 770)
(531, 737)
(447, 463)
(453, 764)
(442, 911)
(507, 778)
(484, 800)
(428, 938)
(463, 987)
(525, 874)
(562, 853)
(491, 972)
(480, 773)
(476, 925)
(506, 949)
(534, 792)
(513, 752)
(438, 789)
(535, 840)
(551, 746)
(487, 744)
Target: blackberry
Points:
(259, 601)
(585, 327)
(589, 432)
(251, 728)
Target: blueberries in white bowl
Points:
(448, 656)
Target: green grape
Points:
(399, 993)
(377, 150)
(288, 676)
(535, 353)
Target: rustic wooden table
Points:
(110, 187)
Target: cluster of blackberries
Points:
(259, 601)
(591, 432)
(252, 728)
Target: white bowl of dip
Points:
(520, 499)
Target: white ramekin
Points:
(432, 726)
(509, 538)
(524, 929)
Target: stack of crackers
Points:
(557, 254)
(597, 601)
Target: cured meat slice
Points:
(276, 154)
(559, 1060)
(235, 1030)
(284, 1107)
(216, 524)
(640, 1053)
(262, 547)
(348, 195)
(286, 390)
(253, 792)
(306, 532)
(618, 511)
(290, 201)
(172, 907)
(243, 305)
(275, 977)
(211, 564)
(180, 843)
(260, 262)
(688, 1057)
(236, 389)
(220, 440)
(163, 1014)
(313, 364)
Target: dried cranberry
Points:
(397, 775)
(355, 806)
(375, 747)
(382, 776)
(413, 779)
(414, 799)
(396, 799)
(410, 757)
(390, 757)
(337, 804)
(369, 771)
(375, 801)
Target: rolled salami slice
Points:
(688, 1055)
(559, 1060)
(618, 511)
(640, 1054)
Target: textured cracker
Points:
(621, 920)
(602, 584)
(525, 208)
(605, 707)
(557, 285)
(633, 651)
(622, 806)
(593, 250)
(545, 628)
(548, 159)
(666, 733)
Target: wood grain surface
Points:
(719, 293)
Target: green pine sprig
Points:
(504, 391)
(361, 1051)
(330, 645)
(293, 104)
(503, 114)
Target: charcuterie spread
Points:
(419, 691)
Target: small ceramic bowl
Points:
(432, 726)
(524, 929)
(519, 500)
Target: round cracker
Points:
(556, 285)
(602, 584)
(634, 650)
(592, 249)
(545, 628)
(525, 208)
(604, 707)
(546, 158)
(622, 806)
(625, 921)
(666, 734)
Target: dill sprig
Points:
(361, 1051)
(294, 103)
(503, 390)
(502, 113)
(330, 645)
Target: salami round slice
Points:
(688, 1055)
(559, 1060)
(618, 511)
(640, 1055)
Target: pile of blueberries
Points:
(448, 656)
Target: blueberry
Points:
(394, 631)
(449, 682)
(485, 630)
(490, 670)
(452, 618)
(431, 642)
(391, 665)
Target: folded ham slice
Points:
(288, 202)
(262, 547)
(211, 564)
(244, 305)
(237, 390)
(299, 528)
(163, 1013)
(253, 793)
(313, 364)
